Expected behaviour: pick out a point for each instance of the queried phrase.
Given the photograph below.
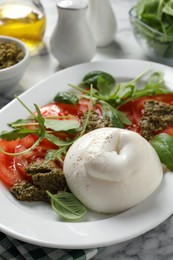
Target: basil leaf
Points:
(67, 205)
(93, 77)
(66, 97)
(163, 144)
(105, 88)
(61, 125)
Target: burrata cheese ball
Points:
(111, 170)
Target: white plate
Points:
(36, 222)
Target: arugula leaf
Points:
(67, 205)
(56, 140)
(117, 118)
(16, 133)
(125, 91)
(62, 125)
(57, 154)
(63, 145)
(40, 119)
(156, 78)
(19, 123)
(155, 85)
(66, 97)
(123, 117)
(163, 144)
(150, 90)
(20, 129)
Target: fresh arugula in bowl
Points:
(152, 21)
(157, 14)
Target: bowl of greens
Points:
(152, 24)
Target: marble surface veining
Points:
(156, 244)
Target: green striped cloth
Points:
(13, 249)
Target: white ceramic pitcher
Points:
(72, 41)
(102, 21)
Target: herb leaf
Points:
(117, 118)
(163, 144)
(105, 88)
(150, 90)
(56, 140)
(20, 122)
(92, 78)
(56, 154)
(66, 97)
(156, 78)
(123, 117)
(124, 92)
(40, 119)
(61, 125)
(16, 133)
(158, 14)
(67, 205)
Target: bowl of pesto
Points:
(14, 60)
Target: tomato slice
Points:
(134, 111)
(9, 174)
(12, 168)
(62, 109)
(35, 155)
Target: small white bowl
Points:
(10, 76)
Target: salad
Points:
(33, 152)
(152, 24)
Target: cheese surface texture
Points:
(111, 170)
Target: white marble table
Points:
(157, 243)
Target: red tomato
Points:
(35, 155)
(62, 109)
(8, 172)
(134, 110)
(12, 168)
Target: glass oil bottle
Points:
(25, 20)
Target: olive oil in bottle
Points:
(23, 20)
